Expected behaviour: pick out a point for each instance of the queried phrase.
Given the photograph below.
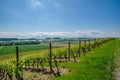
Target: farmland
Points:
(23, 48)
(10, 49)
(89, 60)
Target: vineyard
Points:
(86, 60)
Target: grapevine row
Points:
(12, 68)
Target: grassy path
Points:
(96, 65)
(117, 61)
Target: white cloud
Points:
(36, 3)
(46, 4)
(87, 33)
(57, 5)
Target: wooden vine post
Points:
(94, 43)
(85, 46)
(69, 51)
(50, 61)
(98, 42)
(79, 48)
(89, 46)
(17, 56)
(89, 42)
(18, 75)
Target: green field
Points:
(4, 50)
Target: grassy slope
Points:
(96, 65)
(22, 48)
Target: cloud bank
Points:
(87, 33)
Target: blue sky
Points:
(18, 17)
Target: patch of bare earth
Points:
(41, 74)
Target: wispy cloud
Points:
(87, 33)
(57, 5)
(37, 3)
(48, 4)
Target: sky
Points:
(64, 18)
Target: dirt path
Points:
(117, 63)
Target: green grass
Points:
(22, 48)
(96, 65)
